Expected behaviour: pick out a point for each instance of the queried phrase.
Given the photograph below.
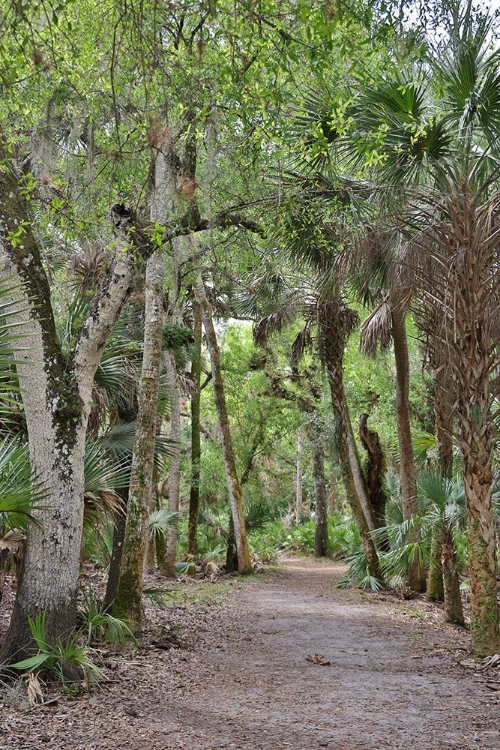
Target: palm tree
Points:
(436, 136)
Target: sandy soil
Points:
(287, 661)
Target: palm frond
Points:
(376, 330)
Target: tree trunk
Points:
(299, 500)
(321, 525)
(477, 448)
(57, 394)
(174, 477)
(128, 602)
(335, 322)
(452, 599)
(244, 560)
(416, 577)
(375, 470)
(194, 495)
(116, 553)
(435, 584)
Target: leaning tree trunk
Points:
(57, 396)
(233, 485)
(335, 322)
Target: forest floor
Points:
(281, 660)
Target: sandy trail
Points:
(394, 681)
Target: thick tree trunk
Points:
(233, 486)
(194, 495)
(57, 394)
(477, 448)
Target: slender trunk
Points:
(244, 560)
(435, 584)
(194, 495)
(128, 602)
(116, 553)
(452, 599)
(299, 500)
(321, 525)
(335, 322)
(416, 576)
(375, 470)
(175, 464)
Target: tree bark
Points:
(299, 500)
(452, 600)
(335, 322)
(174, 478)
(416, 576)
(233, 486)
(194, 494)
(375, 470)
(57, 394)
(128, 602)
(321, 525)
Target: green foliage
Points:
(99, 625)
(66, 657)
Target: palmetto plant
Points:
(427, 140)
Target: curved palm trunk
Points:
(233, 485)
(334, 324)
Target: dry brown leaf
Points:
(318, 659)
(35, 692)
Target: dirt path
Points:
(394, 680)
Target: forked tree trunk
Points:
(233, 485)
(57, 395)
(194, 494)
